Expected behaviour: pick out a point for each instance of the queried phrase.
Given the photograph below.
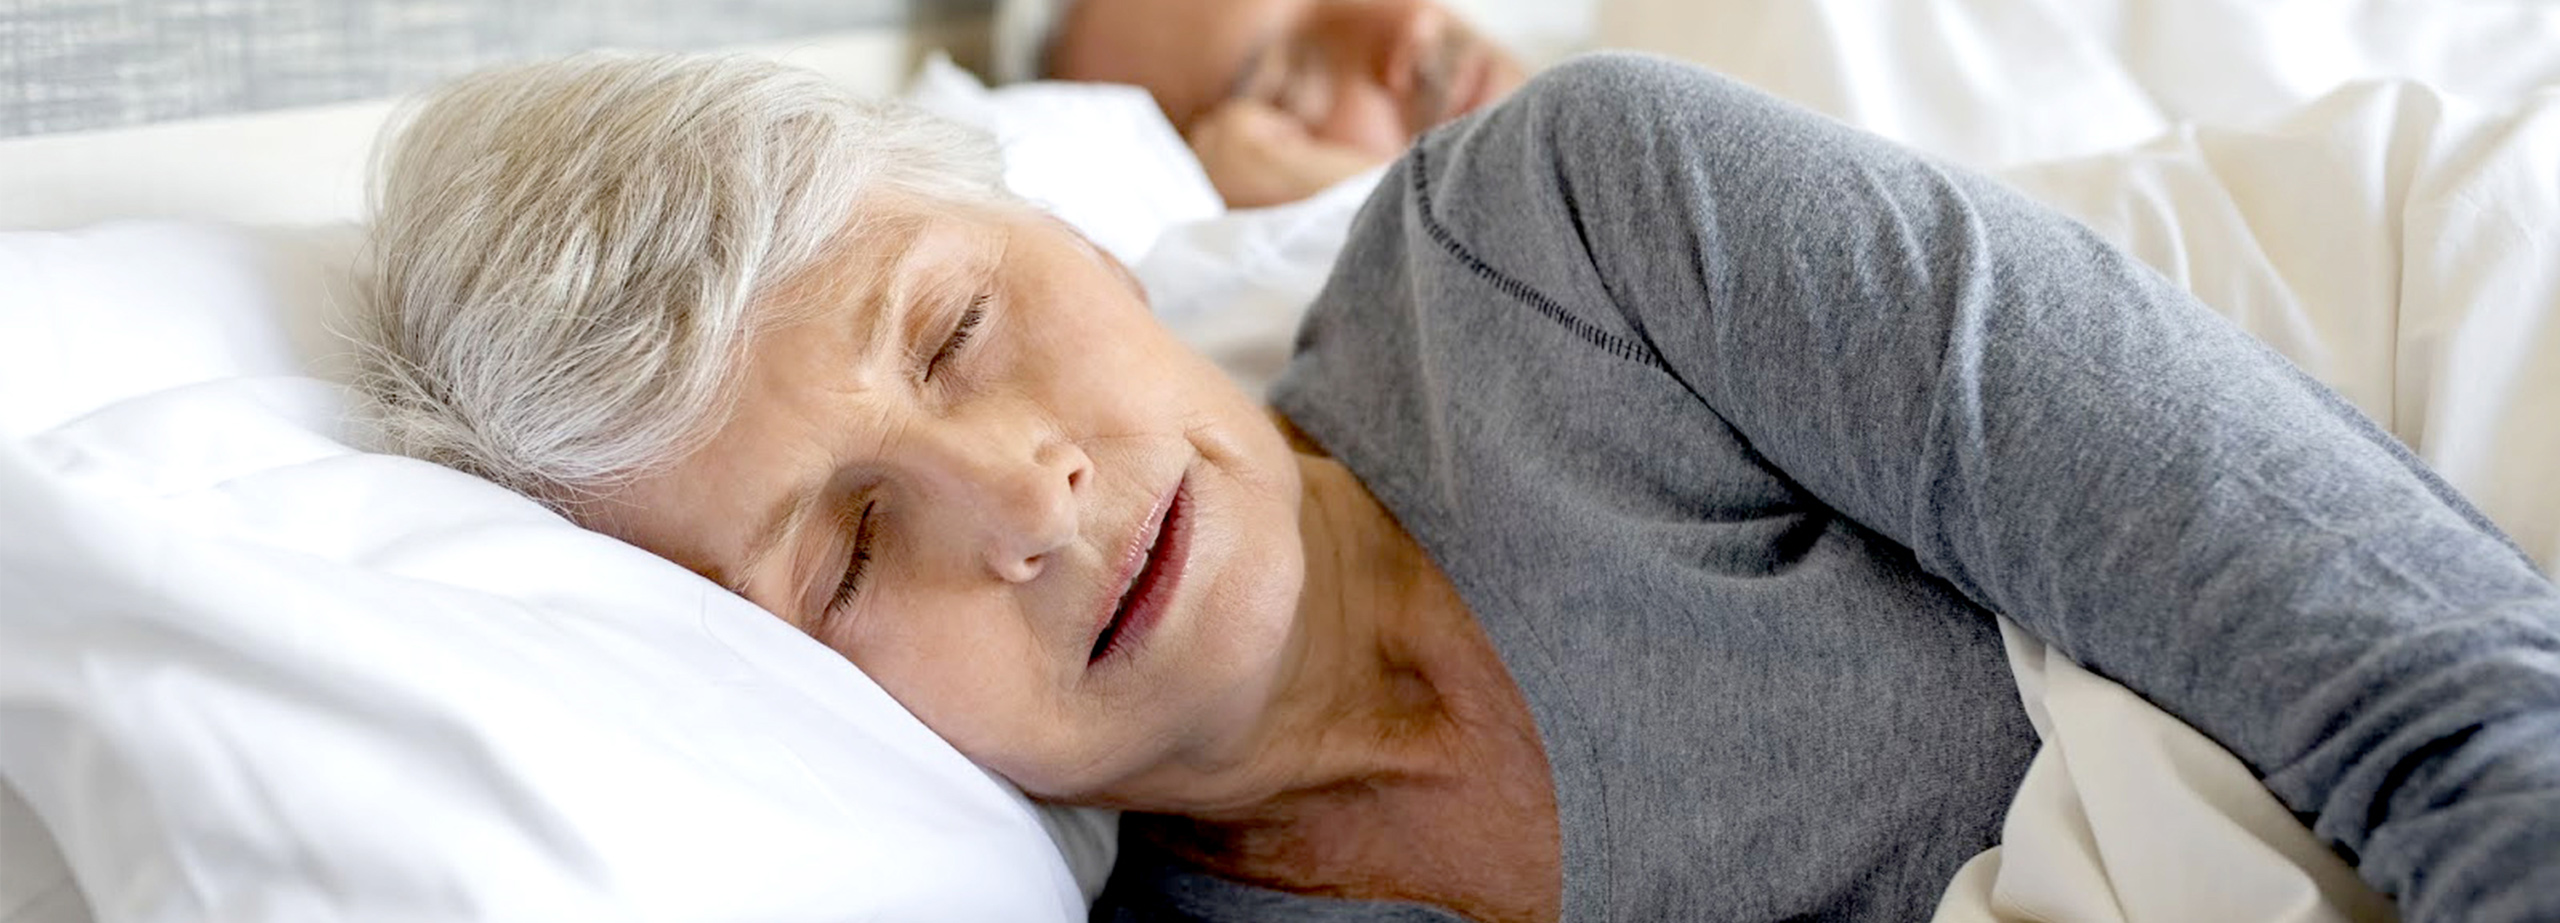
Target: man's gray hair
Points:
(571, 258)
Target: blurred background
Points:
(72, 65)
(68, 65)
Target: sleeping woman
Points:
(1623, 543)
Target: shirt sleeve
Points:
(2072, 441)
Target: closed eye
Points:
(960, 333)
(851, 583)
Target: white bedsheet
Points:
(2129, 816)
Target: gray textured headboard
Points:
(68, 65)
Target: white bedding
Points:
(2000, 82)
(251, 673)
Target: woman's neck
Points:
(1399, 762)
(1387, 679)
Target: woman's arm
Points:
(2067, 439)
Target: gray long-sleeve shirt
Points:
(1733, 427)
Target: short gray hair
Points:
(571, 257)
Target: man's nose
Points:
(1016, 484)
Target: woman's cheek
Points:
(988, 696)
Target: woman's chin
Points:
(1217, 674)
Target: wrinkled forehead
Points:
(1189, 53)
(825, 334)
(891, 245)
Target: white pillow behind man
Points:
(1100, 156)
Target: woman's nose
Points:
(1019, 485)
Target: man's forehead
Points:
(1186, 52)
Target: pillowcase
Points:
(1100, 156)
(251, 672)
(1235, 286)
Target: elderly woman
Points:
(1625, 544)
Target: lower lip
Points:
(1154, 591)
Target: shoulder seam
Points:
(1607, 342)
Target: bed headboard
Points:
(70, 65)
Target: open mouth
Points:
(1151, 589)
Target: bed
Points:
(249, 671)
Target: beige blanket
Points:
(2128, 815)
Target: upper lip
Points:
(1133, 560)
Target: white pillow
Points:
(1100, 156)
(1235, 286)
(248, 672)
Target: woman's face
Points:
(980, 469)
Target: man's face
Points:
(1366, 75)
